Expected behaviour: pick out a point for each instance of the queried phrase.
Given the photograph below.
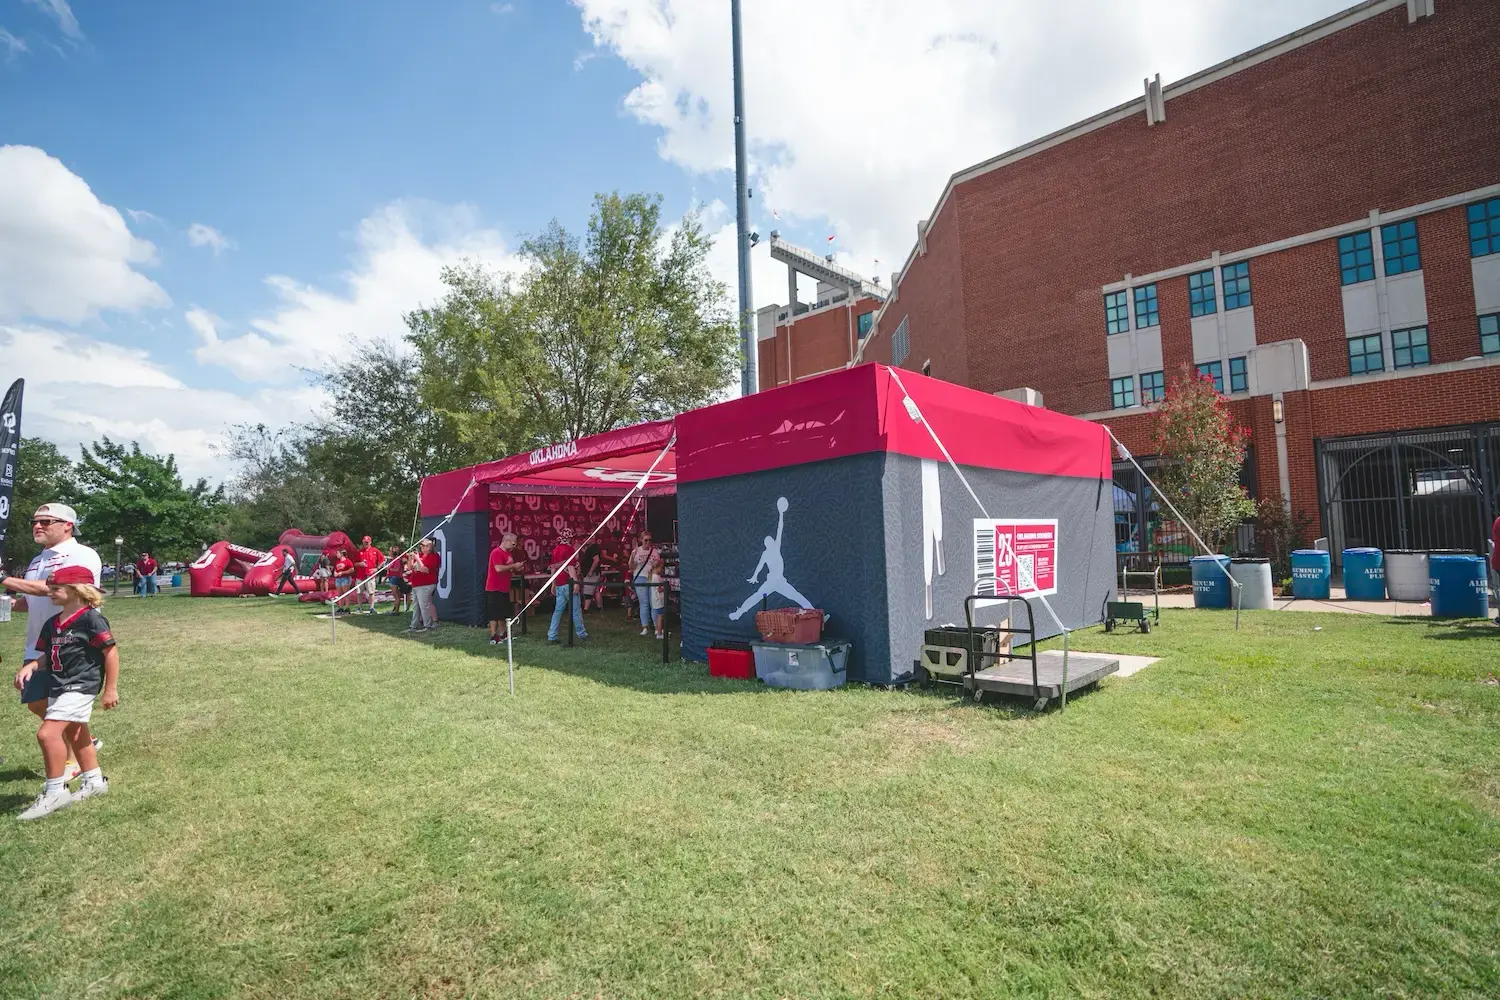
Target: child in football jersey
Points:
(78, 654)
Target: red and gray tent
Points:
(830, 493)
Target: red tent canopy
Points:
(604, 464)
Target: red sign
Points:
(1020, 555)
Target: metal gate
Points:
(1432, 489)
(1146, 531)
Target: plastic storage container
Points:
(815, 667)
(735, 660)
(1460, 586)
(1364, 574)
(1311, 569)
(1210, 581)
(1406, 577)
(1254, 577)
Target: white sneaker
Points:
(91, 788)
(645, 631)
(45, 804)
(98, 744)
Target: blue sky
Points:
(197, 197)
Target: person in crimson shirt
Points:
(565, 587)
(343, 572)
(367, 562)
(422, 573)
(395, 576)
(145, 575)
(497, 586)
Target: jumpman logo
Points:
(771, 562)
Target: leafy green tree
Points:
(43, 475)
(624, 325)
(274, 488)
(127, 492)
(1202, 450)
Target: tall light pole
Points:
(749, 380)
(119, 542)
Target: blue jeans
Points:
(563, 593)
(643, 598)
(147, 585)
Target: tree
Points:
(623, 326)
(274, 488)
(43, 475)
(1202, 450)
(141, 497)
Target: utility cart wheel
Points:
(978, 695)
(1041, 705)
(1109, 624)
(1145, 626)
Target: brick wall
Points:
(1439, 400)
(819, 342)
(1448, 278)
(1382, 114)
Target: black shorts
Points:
(497, 605)
(399, 585)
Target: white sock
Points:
(53, 785)
(89, 777)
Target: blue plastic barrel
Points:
(1210, 581)
(1460, 586)
(1364, 574)
(1311, 569)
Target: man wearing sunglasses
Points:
(51, 528)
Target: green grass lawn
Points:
(1279, 811)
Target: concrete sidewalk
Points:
(1336, 602)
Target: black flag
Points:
(10, 436)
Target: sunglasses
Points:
(45, 522)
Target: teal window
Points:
(1409, 347)
(1399, 243)
(1356, 258)
(1484, 227)
(1201, 293)
(1153, 387)
(1145, 307)
(865, 322)
(1122, 392)
(1116, 313)
(1215, 371)
(1489, 334)
(1239, 375)
(1236, 285)
(1364, 355)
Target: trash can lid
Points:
(1240, 560)
(1308, 552)
(1209, 559)
(1367, 548)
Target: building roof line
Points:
(1346, 18)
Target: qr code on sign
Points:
(1026, 571)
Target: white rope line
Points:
(915, 413)
(545, 587)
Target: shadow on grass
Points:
(1450, 629)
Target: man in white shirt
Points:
(52, 528)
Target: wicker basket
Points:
(790, 625)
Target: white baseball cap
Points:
(60, 511)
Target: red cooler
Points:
(731, 659)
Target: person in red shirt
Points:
(395, 576)
(145, 575)
(367, 562)
(343, 572)
(422, 573)
(497, 586)
(565, 587)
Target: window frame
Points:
(1146, 302)
(863, 324)
(1207, 368)
(1410, 349)
(1483, 217)
(1239, 381)
(1122, 388)
(1364, 340)
(1241, 279)
(901, 342)
(1158, 389)
(1494, 319)
(1360, 260)
(1198, 303)
(1116, 312)
(1400, 261)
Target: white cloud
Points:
(139, 215)
(62, 14)
(11, 44)
(400, 252)
(65, 255)
(200, 235)
(858, 111)
(79, 389)
(503, 8)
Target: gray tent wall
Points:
(464, 545)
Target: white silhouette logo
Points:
(772, 563)
(4, 508)
(9, 420)
(606, 475)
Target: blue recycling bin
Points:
(1311, 570)
(1364, 574)
(1210, 581)
(1460, 586)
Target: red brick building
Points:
(803, 339)
(1315, 224)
